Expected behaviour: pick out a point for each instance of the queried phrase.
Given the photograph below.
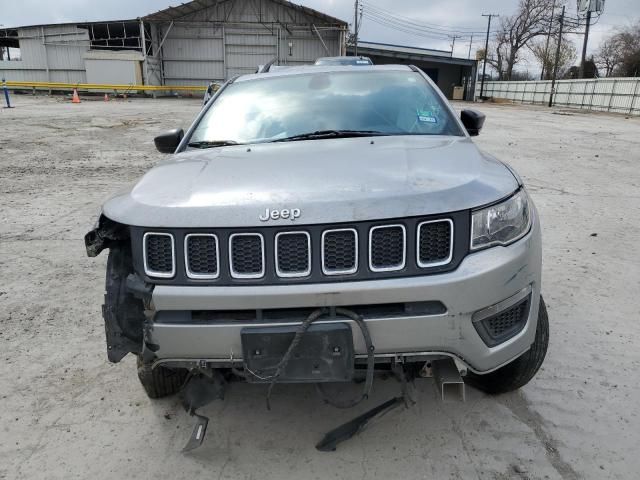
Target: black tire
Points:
(519, 372)
(160, 381)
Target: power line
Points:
(390, 23)
(413, 25)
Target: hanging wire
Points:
(422, 29)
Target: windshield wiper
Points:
(331, 134)
(213, 143)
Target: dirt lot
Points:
(67, 413)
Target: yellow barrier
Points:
(100, 86)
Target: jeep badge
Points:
(285, 213)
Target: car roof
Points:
(306, 69)
(350, 57)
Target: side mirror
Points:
(169, 140)
(472, 121)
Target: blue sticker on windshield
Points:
(426, 117)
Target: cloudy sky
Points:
(462, 15)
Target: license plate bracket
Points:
(324, 354)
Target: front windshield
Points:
(270, 109)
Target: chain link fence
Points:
(620, 95)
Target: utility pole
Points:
(486, 52)
(584, 45)
(546, 48)
(453, 46)
(355, 25)
(470, 45)
(555, 67)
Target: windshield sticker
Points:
(426, 117)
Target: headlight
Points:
(501, 224)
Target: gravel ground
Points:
(67, 413)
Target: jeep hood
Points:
(330, 181)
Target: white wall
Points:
(620, 95)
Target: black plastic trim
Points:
(492, 341)
(461, 221)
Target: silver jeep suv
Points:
(317, 221)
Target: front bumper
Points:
(483, 279)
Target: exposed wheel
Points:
(519, 372)
(160, 381)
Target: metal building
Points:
(454, 76)
(191, 44)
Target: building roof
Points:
(409, 53)
(173, 13)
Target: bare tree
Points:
(609, 55)
(547, 56)
(531, 20)
(628, 40)
(497, 55)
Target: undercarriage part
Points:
(302, 328)
(448, 380)
(355, 426)
(347, 430)
(201, 389)
(160, 381)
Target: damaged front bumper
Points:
(484, 279)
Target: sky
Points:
(448, 14)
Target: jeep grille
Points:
(159, 255)
(293, 254)
(246, 255)
(303, 253)
(435, 242)
(387, 248)
(202, 255)
(340, 251)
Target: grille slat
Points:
(435, 243)
(293, 254)
(159, 255)
(387, 248)
(246, 255)
(202, 256)
(340, 251)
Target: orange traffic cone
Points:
(106, 97)
(76, 98)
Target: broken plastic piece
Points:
(353, 427)
(198, 433)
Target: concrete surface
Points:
(66, 413)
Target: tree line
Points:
(533, 30)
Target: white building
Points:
(191, 44)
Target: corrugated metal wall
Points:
(243, 35)
(620, 95)
(227, 38)
(51, 53)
